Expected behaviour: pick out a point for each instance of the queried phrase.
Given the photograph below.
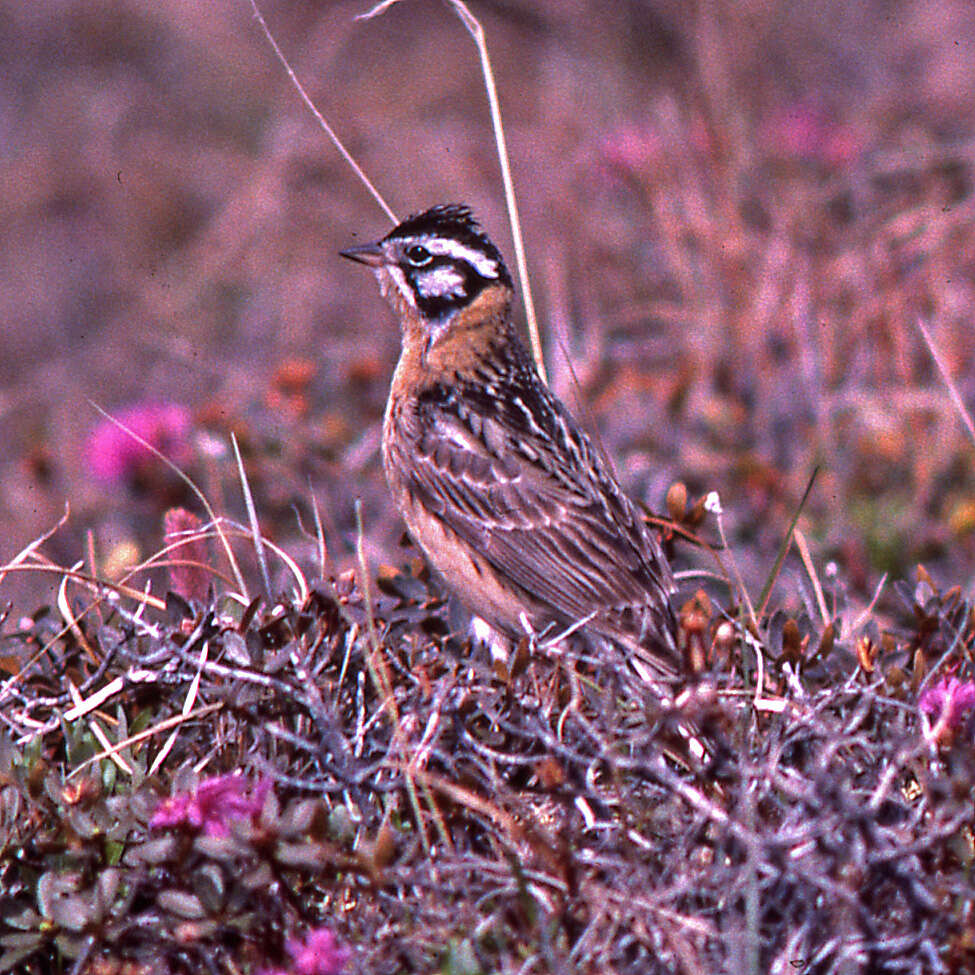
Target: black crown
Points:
(456, 221)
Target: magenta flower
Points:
(213, 804)
(114, 455)
(319, 954)
(803, 131)
(948, 701)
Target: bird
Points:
(507, 497)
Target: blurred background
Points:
(735, 214)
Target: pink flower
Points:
(803, 131)
(215, 802)
(948, 701)
(319, 954)
(114, 455)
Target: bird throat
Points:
(459, 341)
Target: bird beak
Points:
(369, 254)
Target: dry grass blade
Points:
(95, 584)
(293, 568)
(784, 549)
(868, 610)
(252, 518)
(205, 532)
(95, 700)
(714, 506)
(157, 729)
(377, 666)
(807, 561)
(380, 674)
(326, 128)
(476, 31)
(188, 703)
(28, 550)
(957, 401)
(68, 615)
(98, 732)
(498, 815)
(188, 481)
(323, 555)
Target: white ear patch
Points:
(440, 282)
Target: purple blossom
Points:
(319, 954)
(212, 805)
(114, 455)
(948, 701)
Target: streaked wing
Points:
(564, 534)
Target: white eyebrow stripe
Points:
(445, 247)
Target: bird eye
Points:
(418, 255)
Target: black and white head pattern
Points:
(442, 260)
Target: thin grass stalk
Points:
(165, 725)
(28, 550)
(188, 481)
(807, 561)
(476, 30)
(252, 518)
(326, 128)
(377, 666)
(784, 548)
(957, 401)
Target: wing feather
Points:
(574, 543)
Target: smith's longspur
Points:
(508, 499)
